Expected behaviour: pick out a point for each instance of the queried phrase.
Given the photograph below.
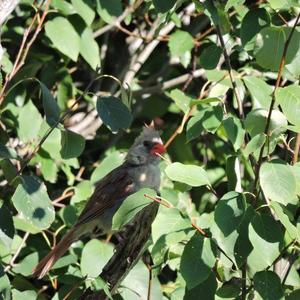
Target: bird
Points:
(140, 169)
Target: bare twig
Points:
(62, 197)
(158, 200)
(124, 15)
(169, 83)
(12, 261)
(232, 80)
(278, 80)
(296, 149)
(24, 48)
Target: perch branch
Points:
(136, 234)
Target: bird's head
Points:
(146, 148)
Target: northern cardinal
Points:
(139, 170)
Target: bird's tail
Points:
(59, 250)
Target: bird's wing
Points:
(116, 185)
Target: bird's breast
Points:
(148, 177)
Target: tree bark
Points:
(135, 235)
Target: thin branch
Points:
(24, 48)
(169, 83)
(62, 197)
(281, 254)
(232, 79)
(12, 261)
(278, 80)
(156, 199)
(119, 19)
(291, 260)
(244, 277)
(296, 149)
(49, 131)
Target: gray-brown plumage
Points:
(139, 170)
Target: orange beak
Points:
(158, 149)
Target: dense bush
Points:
(221, 80)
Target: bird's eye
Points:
(147, 144)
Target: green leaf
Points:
(48, 166)
(131, 206)
(235, 131)
(168, 220)
(26, 131)
(109, 163)
(233, 3)
(228, 216)
(9, 170)
(89, 48)
(233, 173)
(228, 291)
(28, 295)
(95, 255)
(272, 40)
(259, 90)
(286, 4)
(180, 44)
(266, 238)
(136, 284)
(114, 113)
(64, 261)
(7, 152)
(254, 144)
(85, 9)
(289, 100)
(268, 285)
(164, 244)
(180, 99)
(188, 174)
(82, 191)
(63, 36)
(210, 56)
(33, 204)
(51, 108)
(278, 181)
(280, 212)
(253, 22)
(163, 6)
(72, 144)
(108, 10)
(23, 225)
(64, 7)
(295, 295)
(52, 145)
(200, 102)
(197, 260)
(206, 289)
(208, 119)
(255, 122)
(7, 229)
(27, 264)
(4, 285)
(218, 15)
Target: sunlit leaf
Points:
(189, 174)
(33, 204)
